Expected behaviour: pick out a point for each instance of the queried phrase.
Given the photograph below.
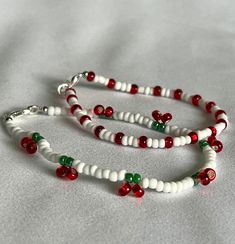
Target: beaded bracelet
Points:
(182, 137)
(132, 182)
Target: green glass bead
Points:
(194, 176)
(161, 127)
(62, 160)
(136, 178)
(35, 136)
(69, 161)
(203, 143)
(129, 177)
(40, 138)
(155, 125)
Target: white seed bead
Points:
(86, 169)
(149, 142)
(167, 187)
(153, 183)
(155, 143)
(176, 142)
(93, 169)
(80, 167)
(160, 186)
(145, 183)
(162, 143)
(98, 173)
(51, 111)
(113, 176)
(121, 175)
(106, 173)
(173, 187)
(125, 140)
(179, 186)
(130, 140)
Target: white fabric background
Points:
(185, 44)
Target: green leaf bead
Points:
(161, 127)
(62, 160)
(129, 177)
(69, 161)
(35, 136)
(203, 144)
(136, 178)
(155, 125)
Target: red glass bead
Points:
(74, 107)
(157, 91)
(217, 146)
(62, 171)
(70, 96)
(203, 178)
(111, 83)
(83, 118)
(194, 137)
(134, 89)
(124, 189)
(90, 76)
(143, 141)
(210, 173)
(213, 130)
(72, 174)
(165, 118)
(156, 115)
(218, 112)
(98, 129)
(31, 147)
(137, 190)
(211, 139)
(108, 112)
(99, 109)
(222, 121)
(196, 99)
(118, 138)
(168, 142)
(177, 94)
(209, 106)
(25, 141)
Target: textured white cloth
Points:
(177, 44)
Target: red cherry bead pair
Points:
(126, 188)
(29, 145)
(100, 110)
(215, 144)
(165, 118)
(206, 176)
(68, 172)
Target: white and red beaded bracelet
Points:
(32, 141)
(182, 137)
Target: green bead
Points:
(129, 177)
(161, 127)
(194, 176)
(203, 143)
(155, 125)
(35, 136)
(136, 178)
(69, 161)
(40, 138)
(62, 160)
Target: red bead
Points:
(210, 173)
(196, 99)
(25, 141)
(99, 109)
(157, 91)
(222, 121)
(156, 115)
(98, 129)
(124, 189)
(72, 174)
(213, 130)
(83, 118)
(143, 141)
(134, 89)
(31, 147)
(218, 112)
(137, 190)
(70, 96)
(111, 83)
(177, 94)
(168, 142)
(165, 118)
(108, 112)
(118, 138)
(217, 146)
(203, 178)
(62, 171)
(90, 76)
(74, 107)
(209, 106)
(194, 137)
(211, 139)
